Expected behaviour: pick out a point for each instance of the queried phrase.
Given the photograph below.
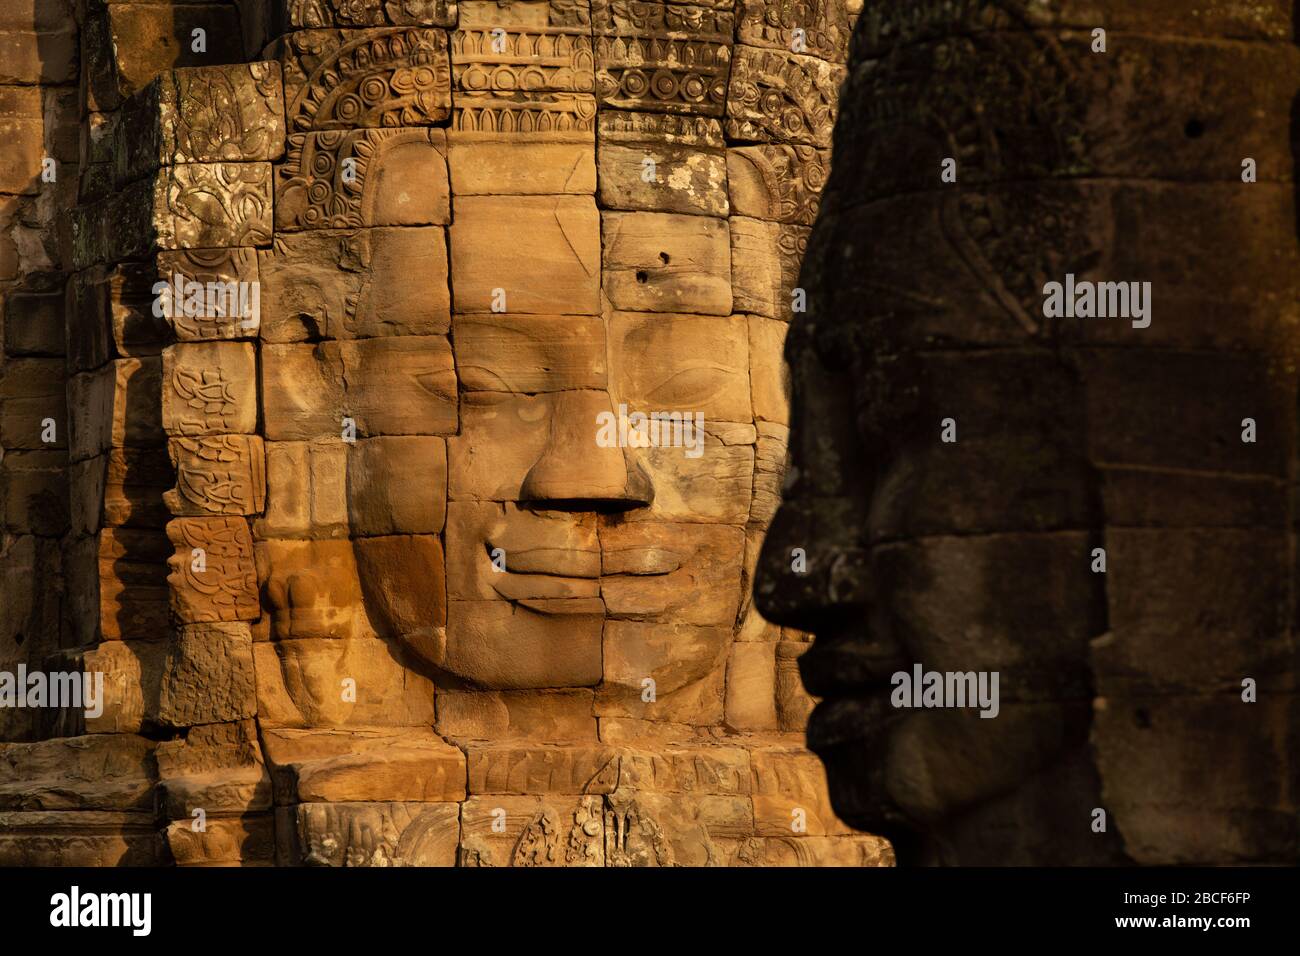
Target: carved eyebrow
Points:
(528, 357)
(696, 377)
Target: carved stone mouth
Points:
(641, 561)
(848, 720)
(547, 588)
(556, 562)
(570, 568)
(550, 606)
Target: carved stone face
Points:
(1072, 503)
(424, 601)
(457, 321)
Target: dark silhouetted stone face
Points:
(1043, 428)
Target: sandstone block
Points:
(776, 96)
(765, 259)
(218, 767)
(47, 56)
(301, 683)
(527, 114)
(357, 284)
(386, 485)
(824, 25)
(501, 454)
(686, 170)
(236, 271)
(34, 492)
(504, 553)
(786, 780)
(397, 485)
(363, 177)
(677, 657)
(32, 394)
(209, 388)
(549, 716)
(860, 850)
(657, 262)
(662, 57)
(371, 78)
(697, 769)
(502, 645)
(213, 577)
(1197, 608)
(1113, 119)
(116, 406)
(119, 585)
(769, 373)
(373, 834)
(144, 40)
(701, 365)
(1039, 639)
(31, 596)
(208, 676)
(207, 114)
(80, 837)
(247, 840)
(132, 676)
(21, 167)
(539, 831)
(88, 334)
(662, 829)
(176, 209)
(388, 386)
(1196, 777)
(531, 768)
(529, 353)
(306, 490)
(32, 322)
(298, 14)
(793, 703)
(751, 687)
(553, 162)
(778, 182)
(339, 766)
(96, 772)
(554, 262)
(686, 573)
(124, 486)
(312, 589)
(218, 474)
(532, 58)
(714, 487)
(403, 581)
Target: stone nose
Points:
(577, 470)
(812, 569)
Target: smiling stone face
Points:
(446, 328)
(464, 514)
(463, 520)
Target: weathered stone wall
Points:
(364, 584)
(38, 181)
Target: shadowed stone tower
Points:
(987, 477)
(365, 583)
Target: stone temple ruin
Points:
(309, 310)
